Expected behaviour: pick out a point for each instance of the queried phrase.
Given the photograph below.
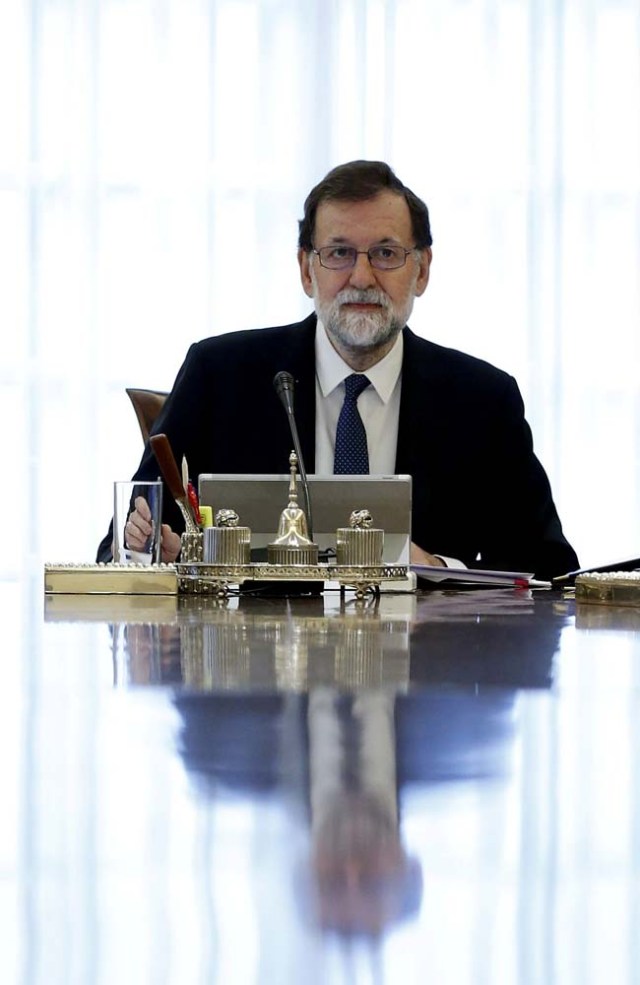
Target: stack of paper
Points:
(479, 576)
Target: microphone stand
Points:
(284, 387)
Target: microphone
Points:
(284, 386)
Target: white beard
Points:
(362, 330)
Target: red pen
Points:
(193, 502)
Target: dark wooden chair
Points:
(147, 405)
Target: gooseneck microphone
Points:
(284, 386)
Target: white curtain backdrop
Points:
(154, 157)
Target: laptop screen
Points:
(260, 499)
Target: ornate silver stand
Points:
(216, 579)
(217, 558)
(291, 557)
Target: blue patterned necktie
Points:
(351, 455)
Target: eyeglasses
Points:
(380, 257)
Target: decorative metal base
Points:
(198, 578)
(610, 588)
(216, 579)
(110, 579)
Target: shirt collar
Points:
(331, 369)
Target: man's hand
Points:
(138, 528)
(170, 543)
(419, 556)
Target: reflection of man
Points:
(455, 423)
(364, 879)
(346, 760)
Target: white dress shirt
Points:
(373, 711)
(378, 405)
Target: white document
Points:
(479, 576)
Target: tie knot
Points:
(355, 384)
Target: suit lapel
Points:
(418, 403)
(418, 451)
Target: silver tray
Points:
(215, 579)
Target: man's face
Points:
(363, 877)
(363, 308)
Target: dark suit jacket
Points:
(478, 488)
(242, 741)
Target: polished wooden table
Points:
(441, 788)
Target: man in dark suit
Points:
(455, 423)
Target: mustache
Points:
(351, 295)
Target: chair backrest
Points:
(147, 405)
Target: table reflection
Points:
(615, 617)
(287, 646)
(314, 702)
(493, 637)
(284, 791)
(342, 763)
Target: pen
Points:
(193, 502)
(632, 564)
(171, 475)
(185, 474)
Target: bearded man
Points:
(453, 422)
